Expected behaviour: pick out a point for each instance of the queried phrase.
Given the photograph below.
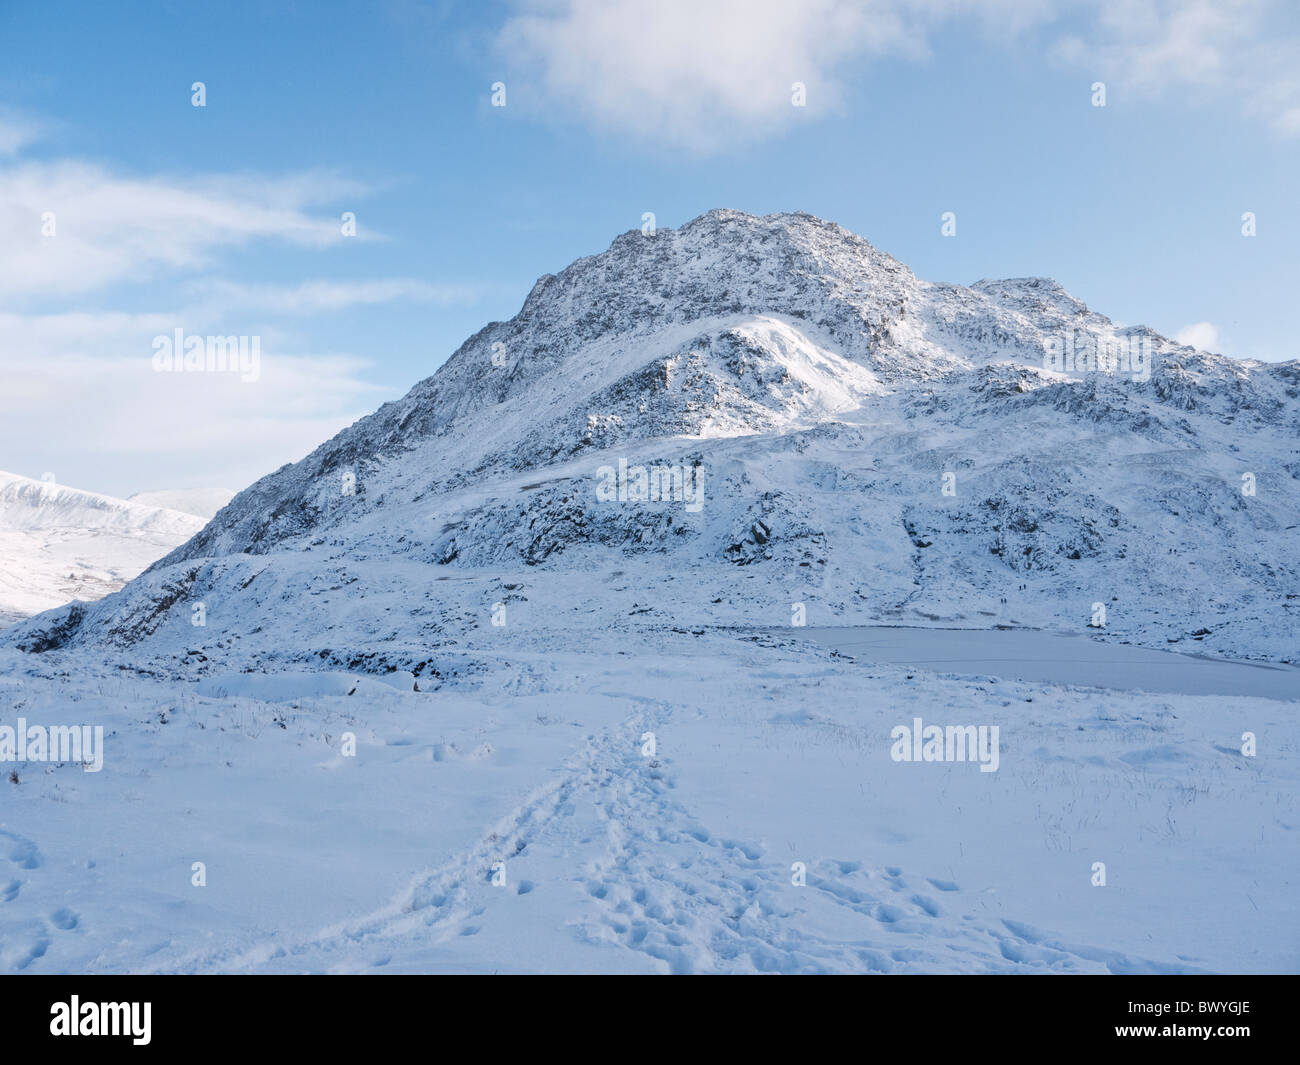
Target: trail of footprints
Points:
(667, 887)
(24, 941)
(648, 878)
(662, 885)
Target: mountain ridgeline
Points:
(868, 446)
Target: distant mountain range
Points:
(59, 543)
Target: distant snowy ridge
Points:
(874, 447)
(59, 544)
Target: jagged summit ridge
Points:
(826, 393)
(731, 325)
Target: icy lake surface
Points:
(1059, 658)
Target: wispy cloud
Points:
(70, 227)
(72, 230)
(1201, 335)
(1247, 50)
(314, 297)
(173, 428)
(707, 74)
(697, 73)
(16, 132)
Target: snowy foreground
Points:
(510, 821)
(553, 595)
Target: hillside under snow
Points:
(824, 397)
(58, 543)
(589, 653)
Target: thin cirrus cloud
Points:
(70, 227)
(1246, 50)
(16, 132)
(177, 430)
(705, 75)
(58, 355)
(315, 297)
(124, 424)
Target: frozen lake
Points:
(1058, 658)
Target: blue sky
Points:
(225, 219)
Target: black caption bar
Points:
(1228, 1015)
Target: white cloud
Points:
(1201, 335)
(313, 297)
(706, 74)
(33, 338)
(108, 228)
(120, 425)
(81, 396)
(125, 426)
(16, 132)
(1147, 45)
(1247, 50)
(696, 72)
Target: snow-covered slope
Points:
(512, 822)
(824, 392)
(58, 544)
(493, 802)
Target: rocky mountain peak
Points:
(822, 395)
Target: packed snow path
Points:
(512, 822)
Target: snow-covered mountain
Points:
(456, 626)
(870, 445)
(58, 543)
